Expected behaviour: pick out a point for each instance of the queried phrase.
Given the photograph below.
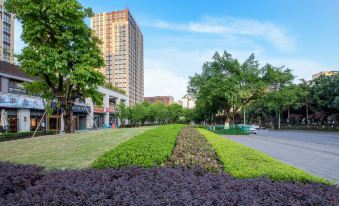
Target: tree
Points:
(303, 96)
(225, 85)
(215, 88)
(160, 111)
(122, 113)
(174, 112)
(61, 51)
(282, 92)
(188, 115)
(324, 92)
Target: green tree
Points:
(225, 85)
(174, 112)
(282, 93)
(188, 115)
(160, 111)
(303, 97)
(122, 113)
(60, 50)
(324, 92)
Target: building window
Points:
(16, 87)
(7, 18)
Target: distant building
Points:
(6, 34)
(180, 102)
(188, 102)
(167, 100)
(123, 51)
(325, 73)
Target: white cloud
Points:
(160, 82)
(302, 68)
(241, 28)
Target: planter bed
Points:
(28, 185)
(192, 150)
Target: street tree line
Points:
(226, 88)
(153, 113)
(308, 103)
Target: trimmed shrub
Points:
(15, 178)
(243, 162)
(20, 135)
(192, 150)
(165, 186)
(151, 148)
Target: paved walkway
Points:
(315, 152)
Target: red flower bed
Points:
(157, 186)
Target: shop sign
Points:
(81, 109)
(21, 101)
(99, 109)
(110, 109)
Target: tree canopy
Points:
(225, 85)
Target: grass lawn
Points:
(77, 150)
(244, 162)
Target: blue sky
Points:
(179, 36)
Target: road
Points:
(315, 152)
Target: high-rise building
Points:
(6, 34)
(122, 49)
(188, 102)
(324, 73)
(167, 100)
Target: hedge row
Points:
(151, 148)
(20, 135)
(26, 185)
(243, 162)
(192, 150)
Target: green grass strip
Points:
(149, 149)
(243, 162)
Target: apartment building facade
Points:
(122, 49)
(324, 73)
(6, 34)
(166, 100)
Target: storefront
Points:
(35, 117)
(16, 110)
(112, 119)
(99, 116)
(80, 113)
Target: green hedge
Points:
(149, 149)
(243, 162)
(12, 136)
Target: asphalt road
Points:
(315, 152)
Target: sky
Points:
(180, 35)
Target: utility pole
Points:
(244, 116)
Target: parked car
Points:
(252, 130)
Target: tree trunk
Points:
(227, 123)
(68, 117)
(288, 117)
(278, 119)
(306, 115)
